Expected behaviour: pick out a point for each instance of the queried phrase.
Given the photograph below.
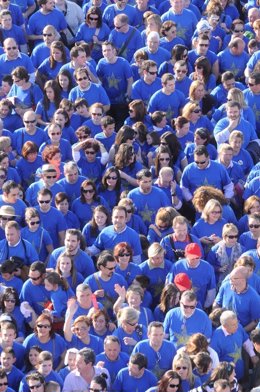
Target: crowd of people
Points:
(129, 196)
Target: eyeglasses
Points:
(131, 111)
(7, 218)
(251, 226)
(44, 201)
(129, 211)
(164, 159)
(111, 178)
(81, 329)
(216, 212)
(3, 383)
(181, 367)
(131, 324)
(153, 72)
(11, 48)
(49, 177)
(200, 163)
(205, 45)
(83, 78)
(125, 255)
(43, 326)
(90, 152)
(34, 279)
(34, 223)
(97, 114)
(91, 18)
(2, 177)
(231, 237)
(29, 121)
(35, 386)
(109, 268)
(120, 27)
(88, 190)
(188, 306)
(196, 111)
(10, 300)
(181, 71)
(173, 385)
(47, 35)
(55, 133)
(239, 31)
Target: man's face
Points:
(121, 3)
(252, 16)
(108, 52)
(203, 46)
(238, 281)
(231, 326)
(36, 277)
(29, 120)
(145, 184)
(180, 72)
(109, 269)
(201, 161)
(150, 75)
(228, 84)
(238, 30)
(236, 143)
(226, 157)
(48, 35)
(49, 178)
(134, 370)
(81, 365)
(44, 202)
(7, 361)
(169, 87)
(156, 336)
(12, 196)
(6, 22)
(82, 80)
(187, 307)
(49, 6)
(254, 87)
(233, 113)
(153, 44)
(177, 6)
(3, 384)
(71, 243)
(12, 235)
(193, 260)
(8, 336)
(119, 219)
(84, 297)
(112, 350)
(109, 129)
(71, 175)
(45, 368)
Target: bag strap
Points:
(101, 288)
(126, 42)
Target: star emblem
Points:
(146, 214)
(236, 354)
(113, 81)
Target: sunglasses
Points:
(97, 114)
(174, 385)
(35, 386)
(131, 111)
(181, 71)
(188, 306)
(239, 31)
(3, 383)
(153, 72)
(129, 211)
(231, 237)
(181, 367)
(164, 159)
(2, 177)
(35, 223)
(28, 121)
(43, 326)
(47, 35)
(131, 324)
(90, 18)
(10, 300)
(251, 226)
(205, 45)
(111, 178)
(55, 134)
(44, 201)
(83, 78)
(5, 218)
(200, 163)
(95, 390)
(88, 190)
(90, 152)
(119, 27)
(34, 279)
(110, 268)
(11, 47)
(196, 111)
(125, 255)
(49, 177)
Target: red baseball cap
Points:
(193, 249)
(182, 281)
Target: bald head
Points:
(238, 279)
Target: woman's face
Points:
(49, 93)
(152, 26)
(149, 139)
(5, 163)
(9, 303)
(72, 361)
(199, 93)
(43, 328)
(111, 179)
(171, 34)
(4, 111)
(157, 260)
(173, 385)
(31, 157)
(59, 119)
(231, 238)
(48, 286)
(132, 112)
(255, 207)
(65, 265)
(90, 154)
(55, 134)
(33, 223)
(184, 129)
(2, 177)
(182, 369)
(99, 323)
(88, 192)
(92, 20)
(100, 218)
(198, 140)
(33, 357)
(195, 114)
(81, 330)
(129, 326)
(63, 206)
(236, 144)
(64, 82)
(134, 300)
(124, 258)
(215, 214)
(164, 159)
(56, 54)
(56, 158)
(254, 227)
(94, 386)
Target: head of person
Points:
(182, 365)
(106, 264)
(254, 224)
(230, 234)
(83, 295)
(20, 75)
(10, 297)
(83, 133)
(193, 254)
(229, 321)
(137, 110)
(236, 140)
(170, 382)
(170, 297)
(203, 67)
(254, 82)
(45, 364)
(50, 34)
(188, 303)
(94, 17)
(201, 157)
(248, 262)
(65, 81)
(10, 191)
(91, 148)
(32, 357)
(137, 365)
(237, 46)
(35, 382)
(32, 218)
(196, 343)
(44, 198)
(150, 71)
(81, 326)
(37, 273)
(228, 80)
(152, 22)
(202, 44)
(144, 180)
(70, 358)
(12, 233)
(81, 76)
(224, 370)
(11, 48)
(72, 240)
(88, 191)
(51, 93)
(222, 385)
(121, 23)
(98, 383)
(119, 216)
(44, 326)
(125, 135)
(96, 112)
(100, 320)
(180, 70)
(252, 46)
(201, 137)
(156, 254)
(30, 151)
(252, 204)
(49, 172)
(123, 254)
(127, 319)
(112, 347)
(62, 202)
(66, 267)
(203, 194)
(212, 211)
(134, 296)
(57, 53)
(7, 213)
(197, 90)
(153, 41)
(255, 339)
(85, 360)
(181, 124)
(111, 179)
(238, 279)
(168, 83)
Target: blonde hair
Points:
(211, 204)
(155, 249)
(184, 358)
(228, 228)
(127, 314)
(5, 142)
